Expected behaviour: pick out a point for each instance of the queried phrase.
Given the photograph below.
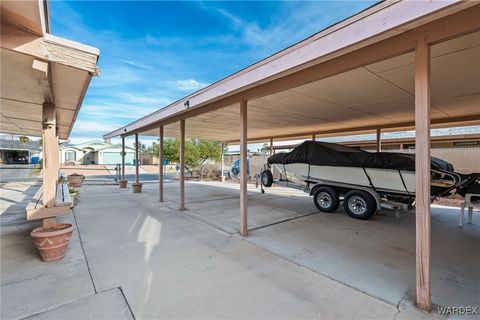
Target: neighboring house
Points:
(94, 152)
(12, 151)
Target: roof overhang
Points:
(40, 68)
(385, 33)
(30, 15)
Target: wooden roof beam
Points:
(472, 119)
(50, 48)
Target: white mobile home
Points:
(94, 152)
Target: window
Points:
(69, 156)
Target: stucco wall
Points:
(78, 155)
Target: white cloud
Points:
(113, 112)
(190, 84)
(143, 99)
(82, 139)
(94, 126)
(138, 64)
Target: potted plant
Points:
(52, 240)
(75, 179)
(137, 187)
(122, 183)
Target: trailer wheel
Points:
(359, 204)
(326, 199)
(267, 178)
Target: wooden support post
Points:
(271, 146)
(314, 137)
(422, 173)
(137, 158)
(160, 164)
(50, 155)
(379, 140)
(222, 165)
(182, 164)
(49, 221)
(243, 168)
(123, 158)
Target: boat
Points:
(363, 181)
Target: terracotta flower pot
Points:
(75, 179)
(52, 241)
(122, 183)
(137, 187)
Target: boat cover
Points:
(320, 153)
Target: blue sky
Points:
(153, 53)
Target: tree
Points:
(207, 149)
(171, 148)
(141, 147)
(23, 139)
(265, 149)
(153, 149)
(197, 151)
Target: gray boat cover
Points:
(331, 154)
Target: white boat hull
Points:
(385, 180)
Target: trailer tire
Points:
(326, 199)
(267, 178)
(359, 204)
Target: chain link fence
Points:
(464, 159)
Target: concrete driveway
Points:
(134, 257)
(18, 173)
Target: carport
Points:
(397, 65)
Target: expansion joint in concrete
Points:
(83, 250)
(126, 301)
(284, 220)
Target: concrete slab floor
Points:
(172, 264)
(219, 204)
(55, 290)
(378, 256)
(109, 304)
(29, 286)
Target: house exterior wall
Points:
(146, 158)
(78, 155)
(113, 156)
(96, 152)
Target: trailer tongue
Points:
(365, 181)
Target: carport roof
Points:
(40, 68)
(9, 144)
(355, 76)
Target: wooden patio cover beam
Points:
(470, 120)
